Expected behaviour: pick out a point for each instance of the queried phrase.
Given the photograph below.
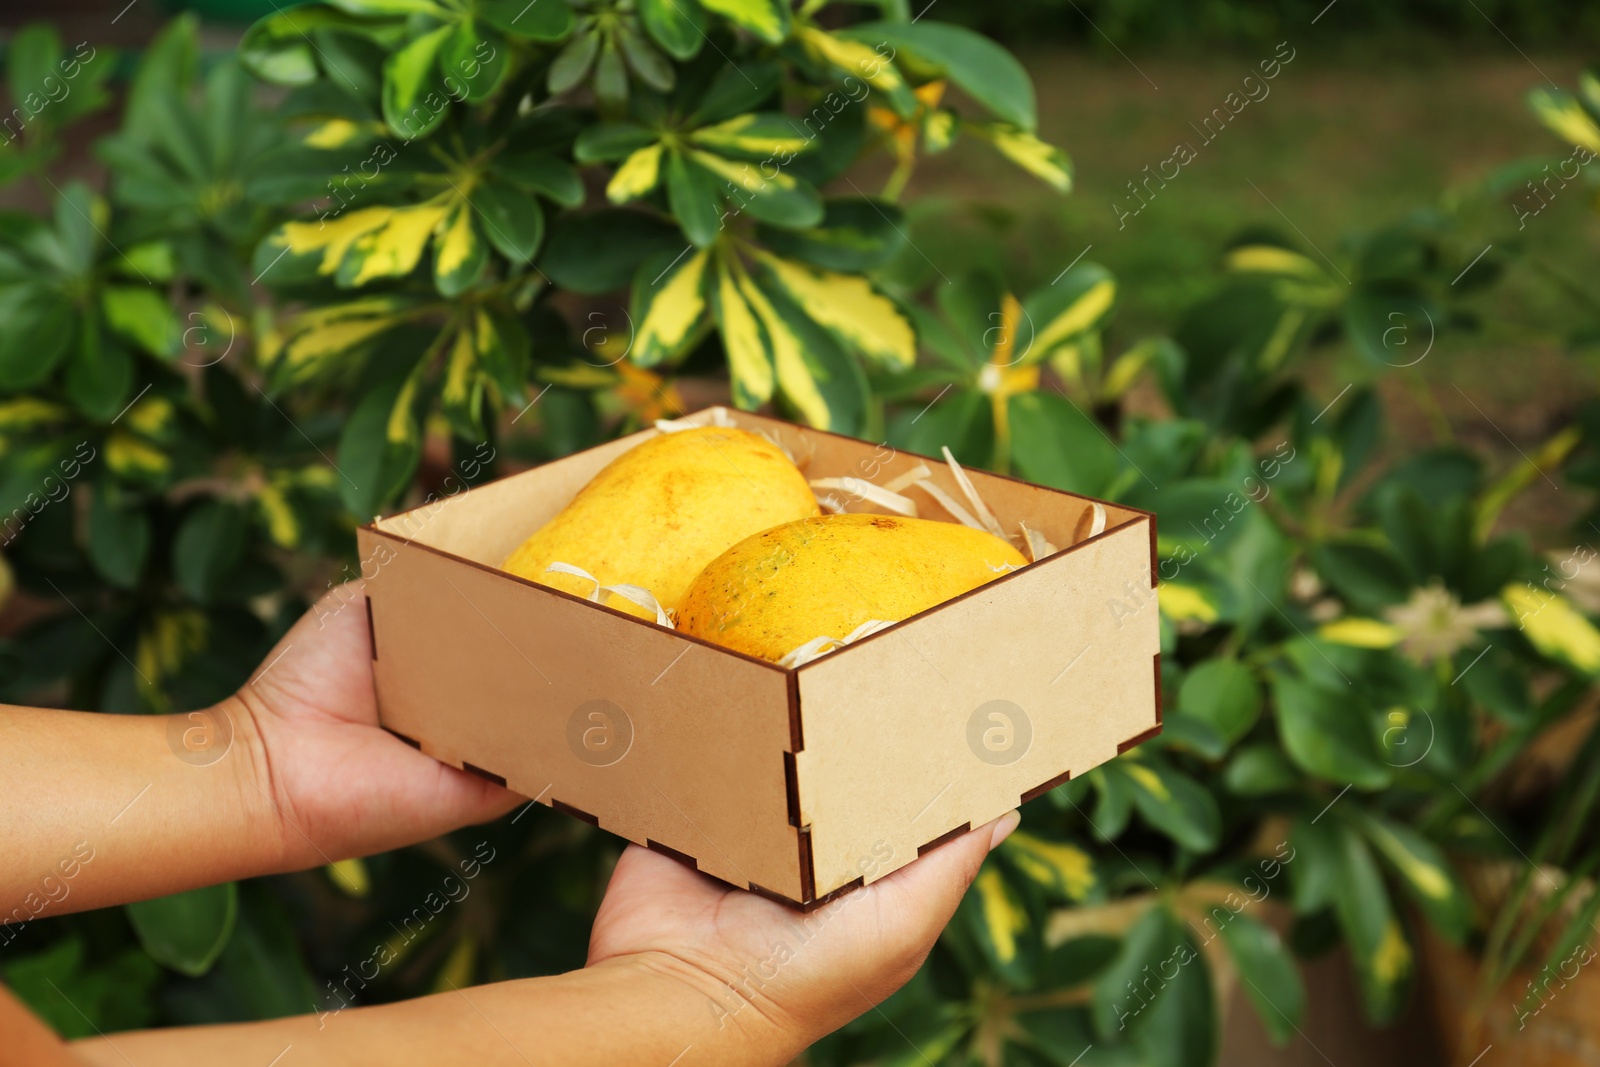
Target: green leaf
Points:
(99, 374)
(513, 222)
(1315, 862)
(143, 315)
(387, 8)
(209, 541)
(410, 82)
(695, 200)
(31, 56)
(119, 539)
(376, 464)
(600, 251)
(572, 64)
(1148, 942)
(610, 81)
(1328, 733)
(39, 327)
(1172, 802)
(854, 236)
(187, 931)
(539, 20)
(738, 89)
(1383, 956)
(989, 74)
(676, 25)
(473, 62)
(1224, 693)
(1260, 770)
(1270, 977)
(541, 172)
(612, 142)
(1179, 1028)
(653, 68)
(1426, 875)
(77, 1000)
(766, 19)
(1055, 443)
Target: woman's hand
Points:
(335, 782)
(777, 975)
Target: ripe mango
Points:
(823, 577)
(658, 513)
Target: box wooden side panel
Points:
(661, 739)
(951, 718)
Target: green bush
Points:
(1156, 23)
(1353, 654)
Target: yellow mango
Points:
(658, 513)
(823, 577)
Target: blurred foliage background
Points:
(1314, 286)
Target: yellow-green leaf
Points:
(852, 57)
(151, 417)
(1563, 115)
(26, 412)
(394, 250)
(307, 353)
(351, 876)
(401, 428)
(788, 357)
(1182, 603)
(459, 253)
(1508, 487)
(332, 236)
(668, 311)
(753, 134)
(749, 361)
(767, 19)
(282, 524)
(847, 305)
(1042, 160)
(143, 315)
(332, 134)
(132, 458)
(1082, 314)
(1066, 868)
(1360, 633)
(459, 966)
(638, 175)
(1270, 259)
(1003, 918)
(1554, 626)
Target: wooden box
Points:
(793, 783)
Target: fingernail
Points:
(1003, 827)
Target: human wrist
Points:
(724, 1022)
(274, 843)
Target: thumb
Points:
(932, 885)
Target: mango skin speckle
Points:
(658, 513)
(771, 593)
